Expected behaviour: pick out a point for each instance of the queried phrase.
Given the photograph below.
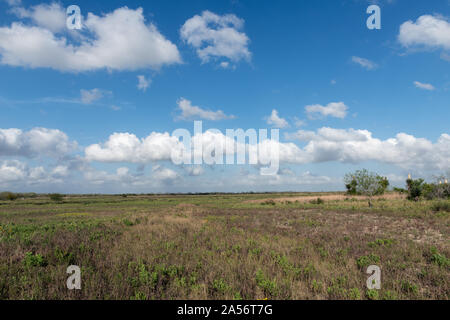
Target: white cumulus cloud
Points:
(357, 146)
(36, 142)
(428, 31)
(276, 121)
(14, 173)
(120, 40)
(215, 36)
(49, 16)
(126, 147)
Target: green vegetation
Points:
(363, 182)
(418, 189)
(33, 260)
(11, 196)
(372, 294)
(368, 260)
(224, 246)
(443, 206)
(415, 188)
(56, 197)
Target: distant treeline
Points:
(11, 196)
(6, 195)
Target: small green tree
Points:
(363, 182)
(415, 189)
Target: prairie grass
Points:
(243, 246)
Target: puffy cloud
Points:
(48, 16)
(356, 146)
(189, 112)
(334, 109)
(36, 142)
(126, 147)
(424, 86)
(215, 36)
(324, 145)
(14, 172)
(428, 31)
(121, 41)
(365, 63)
(143, 83)
(275, 121)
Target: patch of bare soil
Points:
(331, 197)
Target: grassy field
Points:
(253, 246)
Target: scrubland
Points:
(224, 246)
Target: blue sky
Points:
(345, 97)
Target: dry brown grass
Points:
(193, 248)
(330, 197)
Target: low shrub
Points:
(8, 196)
(268, 202)
(443, 206)
(56, 197)
(317, 201)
